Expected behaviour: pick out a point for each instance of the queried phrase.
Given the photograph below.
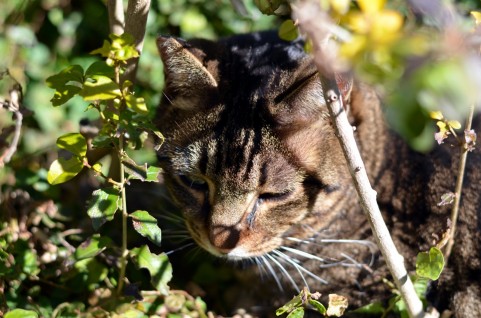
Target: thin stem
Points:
(459, 187)
(125, 215)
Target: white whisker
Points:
(300, 267)
(273, 273)
(302, 253)
(284, 271)
(179, 248)
(286, 258)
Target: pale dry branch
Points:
(116, 16)
(135, 24)
(313, 21)
(13, 105)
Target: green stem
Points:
(459, 187)
(125, 252)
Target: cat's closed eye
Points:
(194, 182)
(273, 196)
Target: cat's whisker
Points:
(284, 271)
(302, 253)
(356, 263)
(297, 264)
(319, 241)
(272, 271)
(172, 217)
(179, 248)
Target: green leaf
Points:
(62, 170)
(288, 31)
(103, 205)
(146, 225)
(92, 247)
(373, 308)
(430, 264)
(73, 142)
(153, 174)
(137, 104)
(289, 306)
(158, 266)
(99, 87)
(134, 170)
(21, 313)
(319, 307)
(104, 50)
(296, 313)
(100, 68)
(67, 84)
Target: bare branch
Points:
(13, 105)
(459, 187)
(313, 21)
(116, 16)
(135, 24)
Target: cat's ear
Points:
(187, 81)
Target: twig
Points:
(459, 187)
(308, 14)
(13, 105)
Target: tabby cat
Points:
(252, 160)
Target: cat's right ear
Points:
(188, 83)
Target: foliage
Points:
(296, 306)
(52, 261)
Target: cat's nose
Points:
(224, 238)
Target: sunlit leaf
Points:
(477, 16)
(21, 313)
(104, 50)
(103, 205)
(318, 306)
(99, 87)
(296, 313)
(371, 6)
(62, 170)
(340, 6)
(73, 142)
(289, 306)
(134, 170)
(92, 247)
(337, 305)
(100, 68)
(288, 31)
(67, 84)
(158, 266)
(146, 225)
(454, 124)
(436, 115)
(430, 264)
(137, 104)
(153, 174)
(375, 308)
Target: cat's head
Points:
(250, 155)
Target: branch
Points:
(116, 16)
(13, 105)
(135, 24)
(459, 187)
(314, 22)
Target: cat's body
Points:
(252, 160)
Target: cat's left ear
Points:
(188, 82)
